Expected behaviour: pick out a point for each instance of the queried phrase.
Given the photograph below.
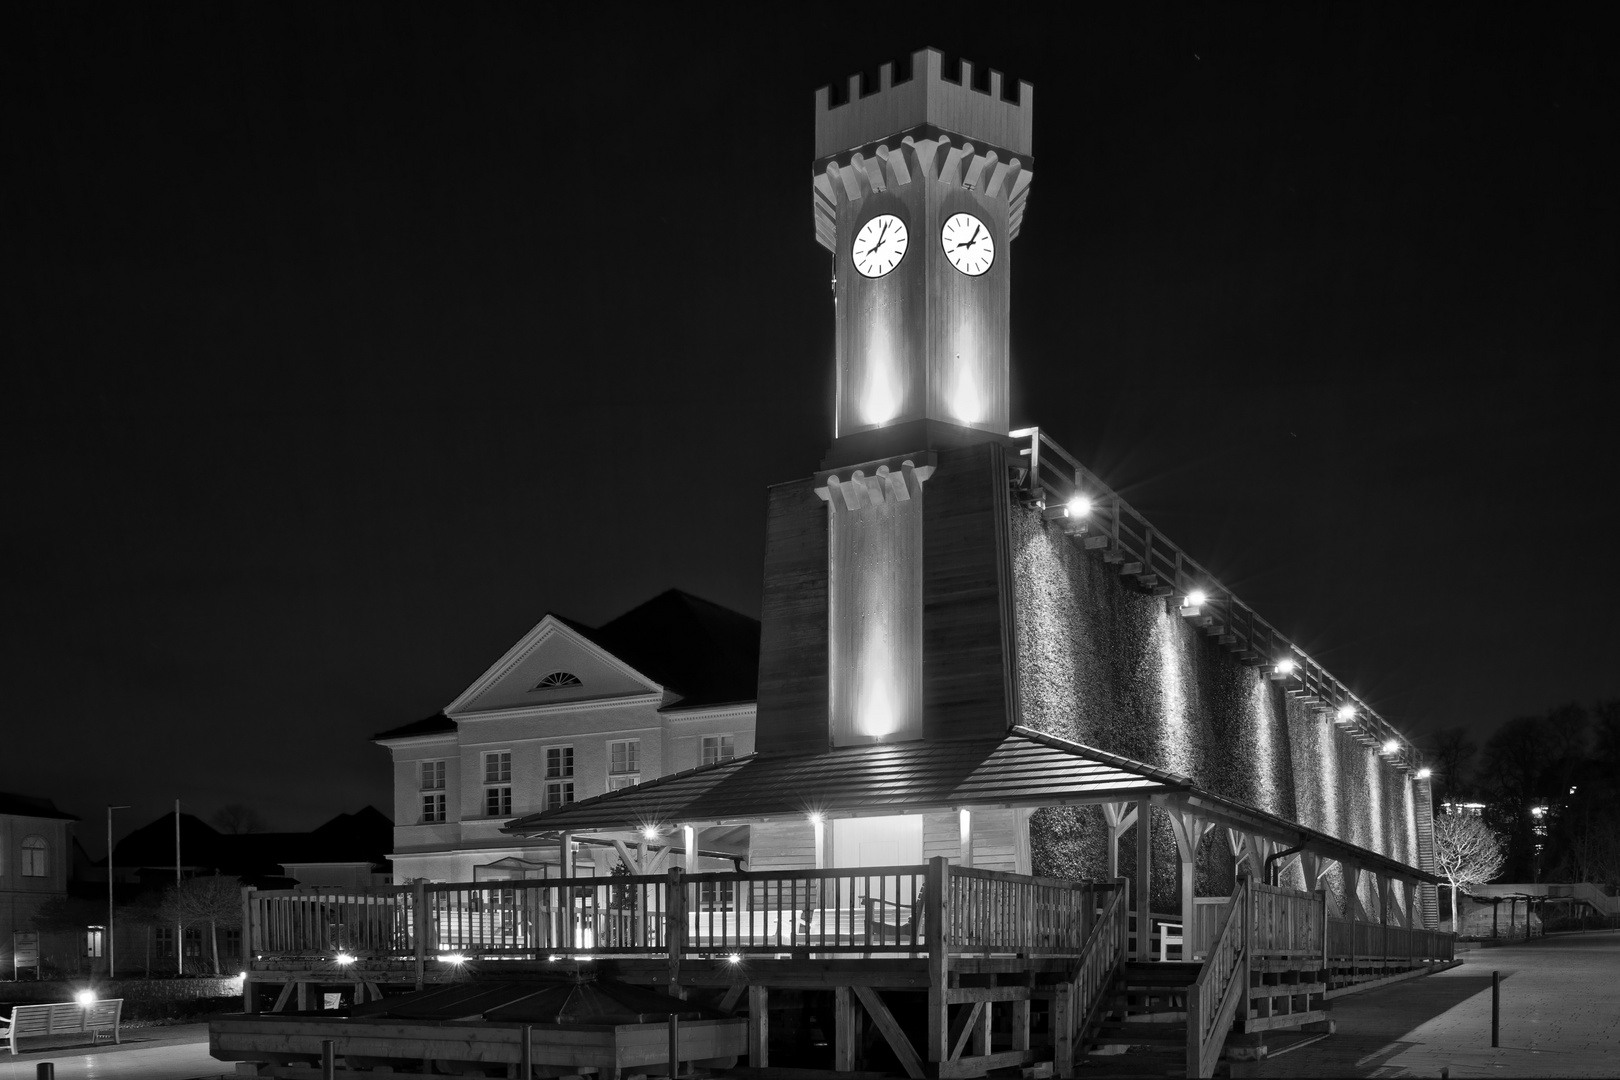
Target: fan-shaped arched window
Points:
(33, 856)
(557, 680)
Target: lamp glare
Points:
(1079, 506)
(1423, 774)
(1197, 598)
(344, 958)
(1285, 666)
(1391, 746)
(1346, 713)
(650, 833)
(85, 997)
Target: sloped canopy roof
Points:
(1021, 768)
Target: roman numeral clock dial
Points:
(879, 246)
(967, 244)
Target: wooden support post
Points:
(1144, 880)
(565, 861)
(759, 1027)
(964, 830)
(939, 959)
(419, 926)
(1119, 817)
(689, 835)
(892, 1032)
(1189, 830)
(981, 1031)
(1063, 1024)
(675, 931)
(846, 1029)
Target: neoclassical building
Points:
(570, 712)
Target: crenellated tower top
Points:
(927, 99)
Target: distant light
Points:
(344, 958)
(1346, 713)
(735, 958)
(1285, 666)
(85, 997)
(1572, 789)
(1079, 506)
(456, 958)
(1423, 774)
(1537, 811)
(1197, 598)
(650, 833)
(1391, 746)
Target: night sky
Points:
(344, 342)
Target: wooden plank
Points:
(846, 1029)
(979, 1066)
(892, 1032)
(759, 1031)
(962, 1028)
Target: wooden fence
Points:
(845, 910)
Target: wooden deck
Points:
(935, 970)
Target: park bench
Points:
(61, 1023)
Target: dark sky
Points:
(344, 342)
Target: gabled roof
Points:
(1021, 768)
(31, 806)
(437, 724)
(364, 836)
(706, 653)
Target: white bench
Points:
(1170, 933)
(62, 1023)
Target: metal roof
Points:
(1021, 768)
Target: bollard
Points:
(1496, 1008)
(45, 1070)
(328, 1060)
(526, 1054)
(674, 1046)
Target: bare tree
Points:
(237, 819)
(1467, 853)
(215, 900)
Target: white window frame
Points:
(433, 808)
(560, 781)
(626, 777)
(36, 857)
(497, 783)
(435, 781)
(724, 741)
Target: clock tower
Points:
(887, 613)
(919, 188)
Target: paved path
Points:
(160, 1053)
(1560, 1017)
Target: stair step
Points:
(1142, 1034)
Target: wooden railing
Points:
(1285, 922)
(1222, 986)
(1079, 999)
(845, 910)
(1358, 941)
(1128, 539)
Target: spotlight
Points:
(1391, 746)
(1346, 714)
(1423, 774)
(815, 819)
(735, 958)
(345, 959)
(650, 833)
(1285, 666)
(1197, 598)
(455, 958)
(1079, 506)
(85, 997)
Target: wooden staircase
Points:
(1143, 1028)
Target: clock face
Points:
(967, 244)
(880, 245)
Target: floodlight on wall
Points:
(1079, 506)
(345, 959)
(1286, 666)
(1391, 746)
(454, 959)
(1197, 598)
(1345, 714)
(1423, 774)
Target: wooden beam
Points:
(892, 1032)
(759, 1031)
(1144, 880)
(728, 1003)
(846, 1029)
(939, 959)
(285, 996)
(963, 1027)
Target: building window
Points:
(163, 940)
(432, 792)
(194, 942)
(717, 894)
(498, 784)
(718, 748)
(33, 856)
(557, 680)
(233, 942)
(624, 763)
(94, 939)
(559, 776)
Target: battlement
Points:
(928, 97)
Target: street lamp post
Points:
(112, 941)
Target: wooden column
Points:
(1119, 817)
(419, 930)
(1144, 880)
(1189, 830)
(565, 857)
(964, 828)
(689, 836)
(937, 915)
(675, 928)
(759, 1027)
(846, 1029)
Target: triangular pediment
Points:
(552, 664)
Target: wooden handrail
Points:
(1223, 983)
